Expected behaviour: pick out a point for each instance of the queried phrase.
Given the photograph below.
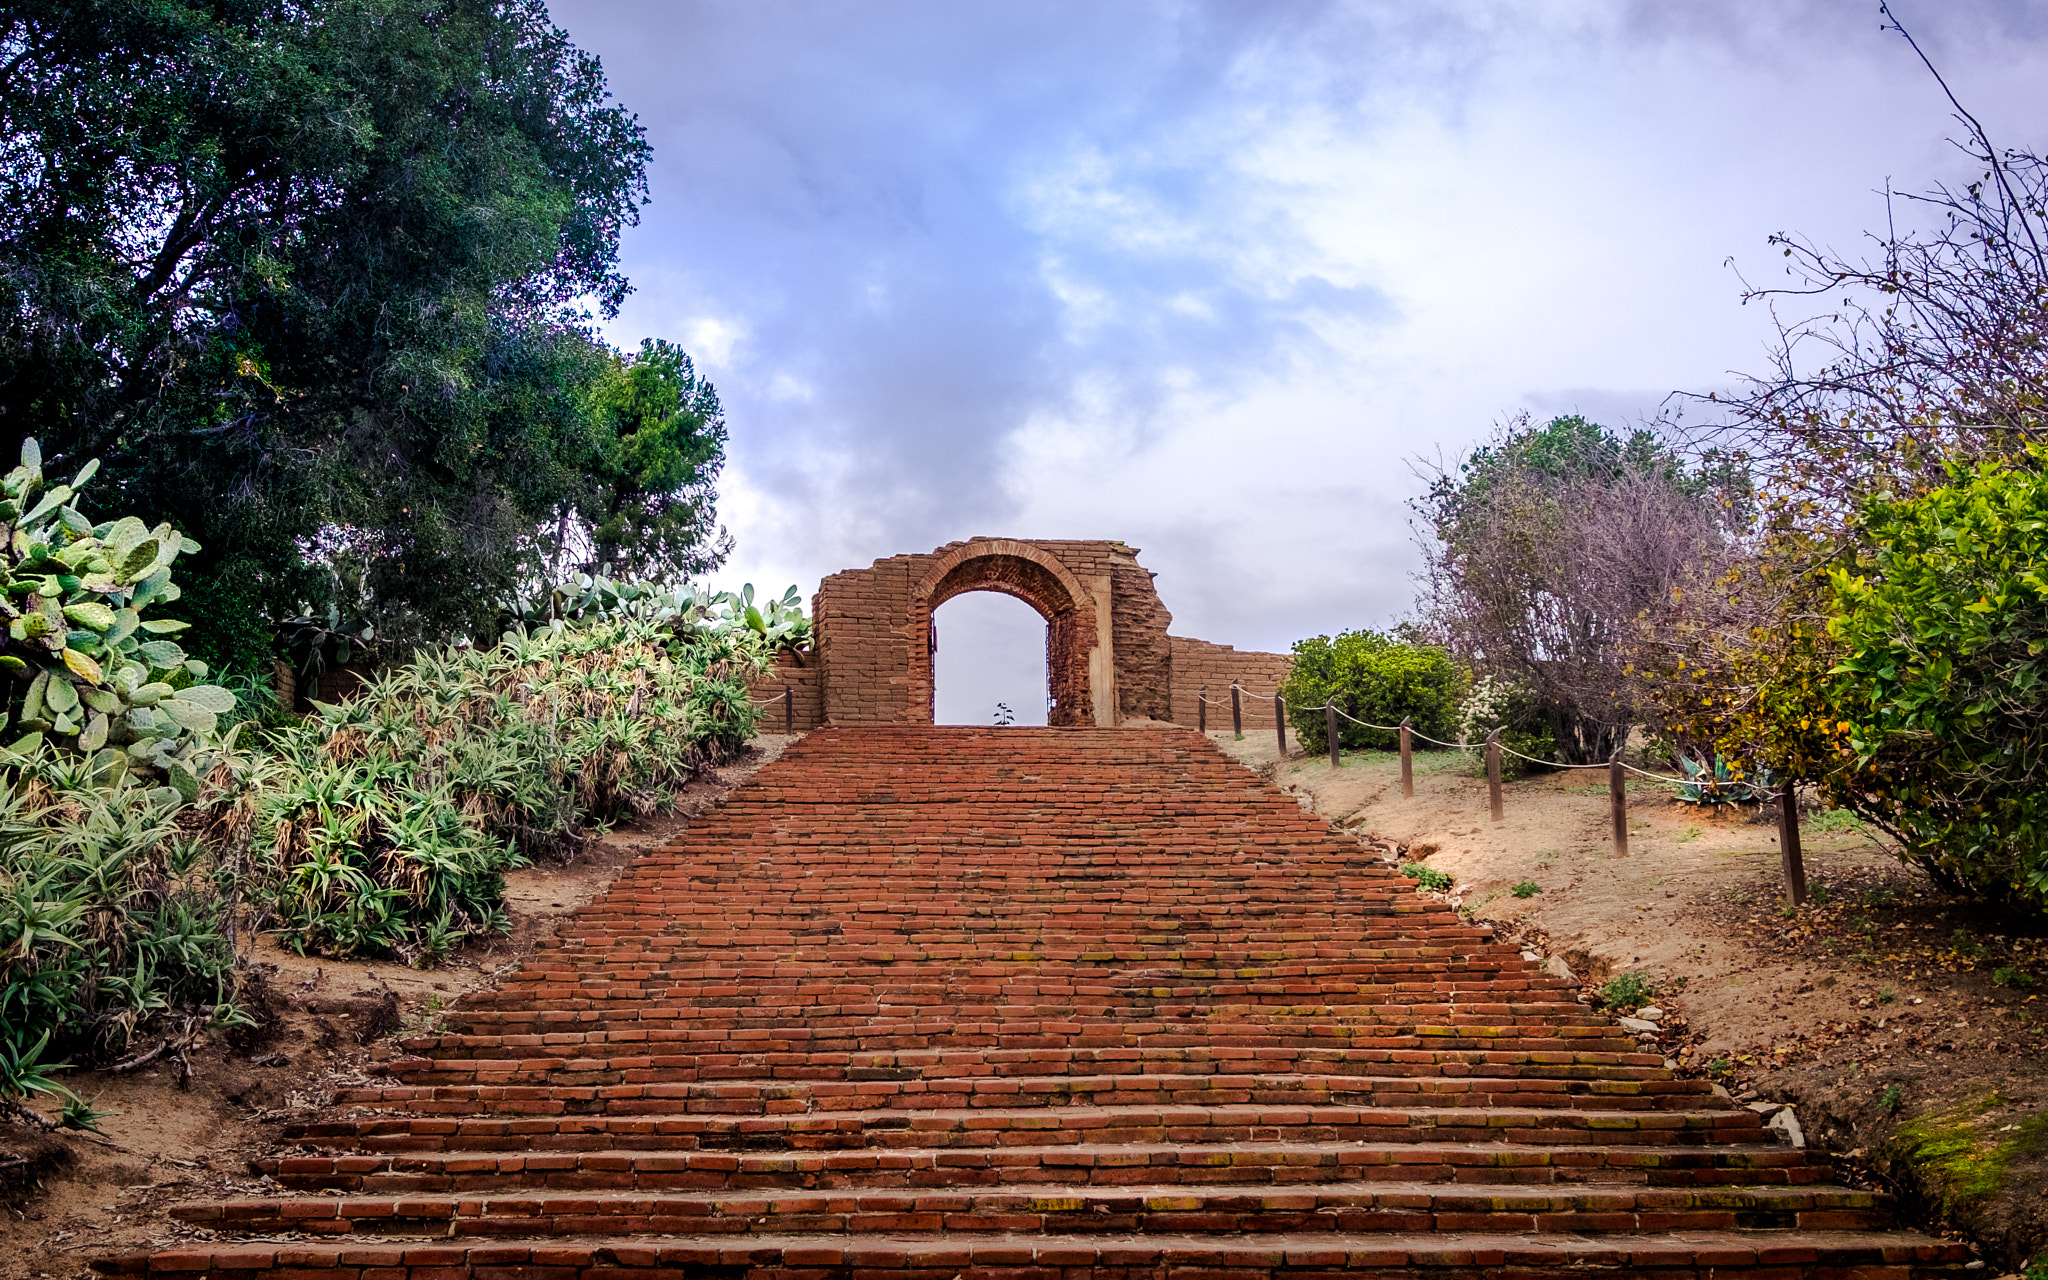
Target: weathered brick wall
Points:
(874, 627)
(875, 635)
(863, 621)
(1144, 658)
(1197, 663)
(805, 676)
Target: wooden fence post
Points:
(1330, 728)
(1202, 710)
(1236, 711)
(1280, 723)
(1407, 762)
(1493, 773)
(1617, 793)
(788, 711)
(1788, 844)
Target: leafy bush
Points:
(1375, 678)
(116, 914)
(1938, 698)
(772, 625)
(1526, 889)
(117, 891)
(391, 818)
(89, 671)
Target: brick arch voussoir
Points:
(990, 564)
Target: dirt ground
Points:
(67, 1198)
(1881, 980)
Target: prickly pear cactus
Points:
(88, 671)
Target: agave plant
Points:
(399, 811)
(1716, 783)
(116, 917)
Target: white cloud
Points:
(1206, 276)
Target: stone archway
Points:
(1075, 678)
(1109, 660)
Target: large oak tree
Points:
(317, 279)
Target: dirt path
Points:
(1604, 914)
(171, 1139)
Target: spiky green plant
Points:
(397, 813)
(116, 916)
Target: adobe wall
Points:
(805, 676)
(1108, 657)
(1197, 663)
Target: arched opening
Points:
(1042, 584)
(988, 652)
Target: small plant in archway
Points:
(1004, 716)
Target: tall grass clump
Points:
(122, 815)
(393, 817)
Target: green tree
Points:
(1549, 544)
(661, 444)
(316, 280)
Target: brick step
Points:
(1806, 1255)
(836, 954)
(846, 1020)
(1265, 1022)
(1203, 890)
(620, 1086)
(470, 1053)
(1054, 1209)
(1382, 979)
(1402, 980)
(1355, 1000)
(972, 1128)
(1278, 1164)
(636, 985)
(1105, 994)
(1401, 956)
(1364, 1007)
(1318, 1035)
(1322, 1027)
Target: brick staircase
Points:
(928, 1003)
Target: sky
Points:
(1224, 280)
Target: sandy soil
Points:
(1604, 914)
(72, 1197)
(1882, 980)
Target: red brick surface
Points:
(923, 1003)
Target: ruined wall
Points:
(805, 676)
(1106, 627)
(1144, 656)
(862, 618)
(1197, 663)
(1106, 634)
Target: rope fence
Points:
(1617, 771)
